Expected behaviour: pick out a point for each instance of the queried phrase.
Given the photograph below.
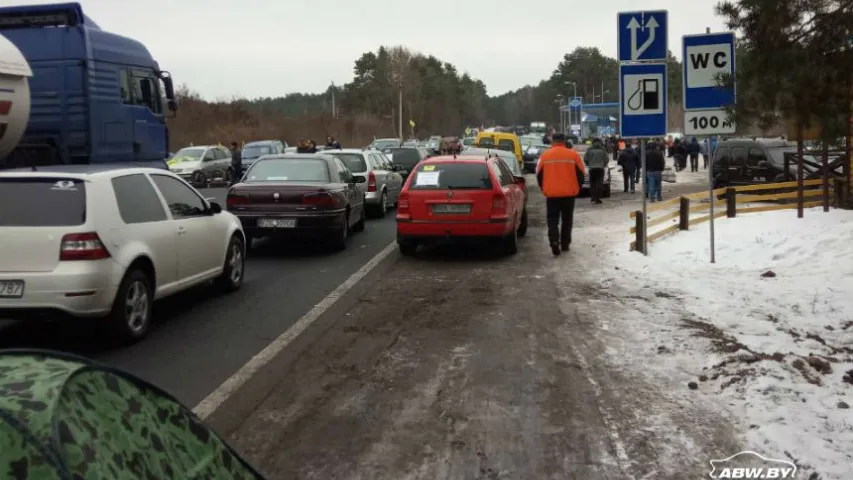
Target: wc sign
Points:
(706, 63)
(707, 59)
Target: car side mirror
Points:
(214, 208)
(359, 179)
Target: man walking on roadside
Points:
(693, 149)
(560, 174)
(629, 161)
(596, 161)
(655, 165)
(236, 163)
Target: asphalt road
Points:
(200, 339)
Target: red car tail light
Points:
(371, 182)
(403, 203)
(319, 199)
(499, 206)
(234, 200)
(82, 246)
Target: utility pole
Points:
(334, 109)
(400, 100)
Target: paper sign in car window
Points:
(429, 168)
(427, 179)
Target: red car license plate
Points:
(452, 208)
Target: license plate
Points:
(11, 288)
(452, 208)
(277, 223)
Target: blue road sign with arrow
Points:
(643, 36)
(642, 93)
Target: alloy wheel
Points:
(136, 306)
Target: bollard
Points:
(641, 230)
(684, 214)
(731, 202)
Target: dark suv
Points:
(747, 161)
(405, 158)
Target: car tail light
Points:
(371, 182)
(403, 203)
(499, 205)
(321, 199)
(82, 246)
(235, 200)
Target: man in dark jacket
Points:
(693, 149)
(596, 160)
(236, 163)
(629, 161)
(655, 164)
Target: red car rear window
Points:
(451, 175)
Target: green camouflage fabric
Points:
(66, 418)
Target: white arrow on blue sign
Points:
(575, 102)
(705, 57)
(642, 93)
(642, 35)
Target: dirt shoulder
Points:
(464, 364)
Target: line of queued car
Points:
(475, 196)
(104, 242)
(323, 196)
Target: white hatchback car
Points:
(105, 242)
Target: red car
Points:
(463, 197)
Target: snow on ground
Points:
(767, 330)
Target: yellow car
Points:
(501, 141)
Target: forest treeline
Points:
(794, 65)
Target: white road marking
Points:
(230, 386)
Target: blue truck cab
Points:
(96, 97)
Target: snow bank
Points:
(768, 328)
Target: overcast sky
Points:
(252, 48)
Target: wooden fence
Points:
(681, 213)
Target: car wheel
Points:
(199, 180)
(130, 317)
(342, 235)
(382, 208)
(234, 269)
(522, 226)
(359, 225)
(408, 248)
(510, 242)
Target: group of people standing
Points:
(680, 151)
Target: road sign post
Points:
(705, 58)
(642, 36)
(643, 52)
(575, 108)
(642, 93)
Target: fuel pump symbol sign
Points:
(643, 94)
